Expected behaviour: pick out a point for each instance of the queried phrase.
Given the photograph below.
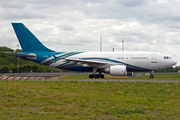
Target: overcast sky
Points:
(77, 25)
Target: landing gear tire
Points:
(91, 76)
(151, 76)
(101, 76)
(96, 76)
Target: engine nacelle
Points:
(118, 70)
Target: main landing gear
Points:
(96, 76)
(152, 76)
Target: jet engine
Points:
(118, 70)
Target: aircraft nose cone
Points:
(174, 62)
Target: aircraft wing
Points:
(86, 61)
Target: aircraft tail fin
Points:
(27, 40)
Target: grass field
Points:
(89, 100)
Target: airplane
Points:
(113, 63)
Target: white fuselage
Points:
(134, 61)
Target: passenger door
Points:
(153, 58)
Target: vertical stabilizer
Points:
(27, 40)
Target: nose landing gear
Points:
(152, 76)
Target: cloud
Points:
(132, 3)
(66, 25)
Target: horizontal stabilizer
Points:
(30, 56)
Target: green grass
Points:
(88, 100)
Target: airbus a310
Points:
(113, 63)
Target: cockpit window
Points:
(166, 57)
